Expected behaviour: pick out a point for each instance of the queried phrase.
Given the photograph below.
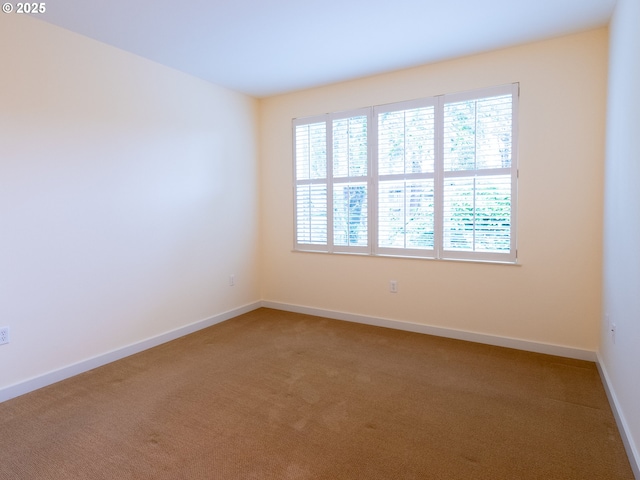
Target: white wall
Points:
(554, 295)
(621, 360)
(128, 194)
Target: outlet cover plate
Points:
(4, 335)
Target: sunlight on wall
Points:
(553, 295)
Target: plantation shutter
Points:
(405, 163)
(479, 175)
(311, 206)
(332, 182)
(430, 178)
(350, 161)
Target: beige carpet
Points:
(274, 395)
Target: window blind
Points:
(432, 178)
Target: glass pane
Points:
(420, 208)
(406, 214)
(493, 149)
(391, 214)
(350, 226)
(477, 214)
(311, 151)
(459, 136)
(406, 141)
(311, 214)
(493, 214)
(391, 143)
(478, 134)
(458, 214)
(419, 140)
(350, 149)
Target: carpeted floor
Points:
(275, 395)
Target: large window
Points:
(432, 178)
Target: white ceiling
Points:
(266, 47)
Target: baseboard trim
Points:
(623, 426)
(549, 349)
(63, 373)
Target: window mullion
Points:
(372, 170)
(405, 192)
(329, 147)
(438, 187)
(515, 95)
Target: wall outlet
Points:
(232, 280)
(393, 286)
(4, 335)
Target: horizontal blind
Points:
(350, 149)
(432, 178)
(311, 212)
(311, 151)
(405, 167)
(406, 141)
(350, 156)
(406, 218)
(478, 134)
(478, 178)
(350, 214)
(477, 214)
(311, 226)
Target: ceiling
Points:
(268, 47)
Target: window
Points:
(432, 178)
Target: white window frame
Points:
(439, 177)
(377, 110)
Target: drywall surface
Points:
(128, 195)
(553, 295)
(621, 306)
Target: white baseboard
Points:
(49, 378)
(623, 426)
(549, 349)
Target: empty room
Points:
(320, 240)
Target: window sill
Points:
(411, 257)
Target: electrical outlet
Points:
(393, 286)
(232, 280)
(4, 335)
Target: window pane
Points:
(311, 151)
(311, 214)
(350, 147)
(406, 214)
(350, 214)
(459, 136)
(391, 214)
(494, 132)
(493, 214)
(477, 214)
(477, 134)
(406, 141)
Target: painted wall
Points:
(128, 194)
(621, 359)
(554, 295)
